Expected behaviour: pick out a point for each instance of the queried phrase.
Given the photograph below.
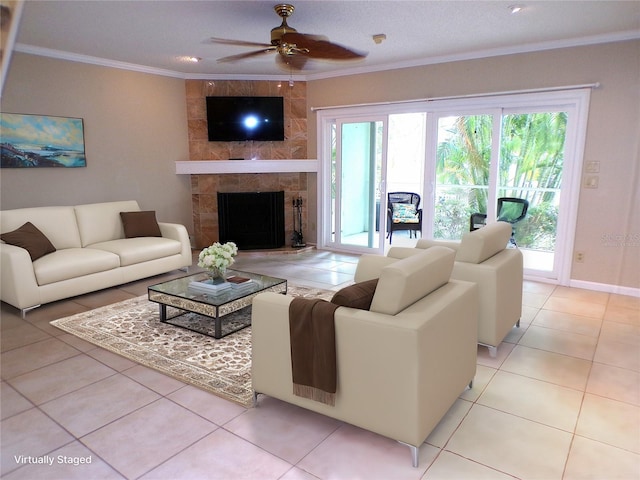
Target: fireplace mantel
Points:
(199, 167)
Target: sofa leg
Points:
(23, 311)
(255, 398)
(493, 351)
(518, 323)
(414, 453)
(471, 384)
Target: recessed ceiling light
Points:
(515, 8)
(190, 59)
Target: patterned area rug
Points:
(132, 329)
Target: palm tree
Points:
(532, 154)
(462, 171)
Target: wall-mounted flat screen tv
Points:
(238, 119)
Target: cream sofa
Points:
(482, 257)
(92, 253)
(401, 364)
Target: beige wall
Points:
(135, 129)
(609, 212)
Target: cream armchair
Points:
(401, 364)
(482, 257)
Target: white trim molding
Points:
(203, 167)
(492, 52)
(605, 287)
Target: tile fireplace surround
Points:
(212, 172)
(210, 177)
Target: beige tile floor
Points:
(560, 401)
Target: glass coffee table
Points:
(207, 311)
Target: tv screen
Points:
(236, 119)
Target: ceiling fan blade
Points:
(291, 62)
(321, 49)
(241, 43)
(242, 56)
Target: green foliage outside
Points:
(532, 154)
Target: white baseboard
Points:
(604, 287)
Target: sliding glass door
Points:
(463, 175)
(356, 184)
(369, 157)
(515, 153)
(532, 165)
(460, 156)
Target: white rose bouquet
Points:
(218, 257)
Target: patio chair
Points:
(403, 213)
(512, 210)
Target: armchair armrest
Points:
(499, 281)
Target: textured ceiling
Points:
(154, 35)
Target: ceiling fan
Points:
(293, 48)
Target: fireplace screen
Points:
(252, 220)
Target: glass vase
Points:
(216, 273)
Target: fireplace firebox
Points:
(253, 220)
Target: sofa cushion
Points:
(406, 281)
(58, 224)
(100, 222)
(31, 239)
(140, 249)
(359, 295)
(72, 263)
(140, 224)
(484, 243)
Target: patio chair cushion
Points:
(404, 213)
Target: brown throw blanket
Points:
(313, 349)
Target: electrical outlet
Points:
(591, 181)
(579, 257)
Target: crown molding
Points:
(103, 62)
(528, 48)
(495, 52)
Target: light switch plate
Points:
(593, 167)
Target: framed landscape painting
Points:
(36, 141)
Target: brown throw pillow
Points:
(140, 224)
(31, 239)
(358, 295)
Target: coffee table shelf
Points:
(229, 309)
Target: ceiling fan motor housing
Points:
(284, 10)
